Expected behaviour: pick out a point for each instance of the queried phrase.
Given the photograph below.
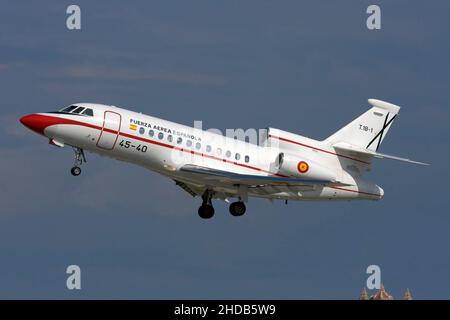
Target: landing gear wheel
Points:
(75, 171)
(237, 209)
(79, 159)
(206, 211)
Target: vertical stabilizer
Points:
(369, 129)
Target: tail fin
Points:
(369, 129)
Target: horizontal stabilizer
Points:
(366, 153)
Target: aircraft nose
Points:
(35, 122)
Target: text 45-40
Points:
(127, 144)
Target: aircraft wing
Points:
(220, 176)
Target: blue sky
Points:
(304, 67)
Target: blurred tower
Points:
(407, 295)
(381, 295)
(364, 295)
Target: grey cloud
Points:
(304, 67)
(131, 74)
(10, 125)
(48, 185)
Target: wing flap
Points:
(227, 177)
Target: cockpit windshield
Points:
(88, 112)
(68, 109)
(78, 110)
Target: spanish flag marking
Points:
(133, 127)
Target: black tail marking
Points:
(380, 134)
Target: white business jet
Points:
(283, 166)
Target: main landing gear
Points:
(79, 159)
(237, 208)
(206, 210)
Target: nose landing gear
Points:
(79, 159)
(75, 171)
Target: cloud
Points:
(132, 74)
(26, 182)
(37, 176)
(287, 66)
(10, 125)
(108, 183)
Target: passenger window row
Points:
(198, 145)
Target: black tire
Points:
(75, 171)
(237, 209)
(206, 211)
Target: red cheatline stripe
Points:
(197, 153)
(56, 120)
(350, 190)
(318, 149)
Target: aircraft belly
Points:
(286, 192)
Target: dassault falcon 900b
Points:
(283, 166)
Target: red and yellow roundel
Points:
(302, 167)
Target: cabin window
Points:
(237, 156)
(228, 154)
(247, 159)
(141, 130)
(198, 145)
(151, 133)
(169, 138)
(189, 143)
(208, 148)
(160, 135)
(179, 140)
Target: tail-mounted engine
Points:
(300, 167)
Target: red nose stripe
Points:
(38, 122)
